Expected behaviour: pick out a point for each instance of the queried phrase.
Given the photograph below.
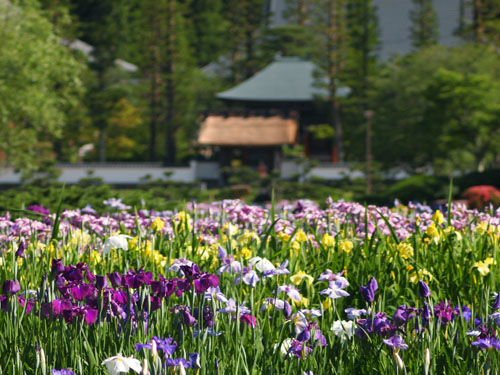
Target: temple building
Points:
(278, 106)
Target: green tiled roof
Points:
(289, 79)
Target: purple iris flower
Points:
(20, 250)
(188, 319)
(423, 289)
(38, 208)
(496, 303)
(379, 325)
(191, 272)
(396, 342)
(28, 303)
(248, 276)
(299, 349)
(11, 287)
(488, 343)
(249, 320)
(63, 371)
(425, 312)
(57, 266)
(167, 345)
(279, 304)
(215, 293)
(466, 313)
(136, 279)
(353, 313)
(281, 270)
(445, 313)
(369, 290)
(82, 291)
(101, 282)
(338, 278)
(400, 316)
(334, 290)
(75, 273)
(163, 287)
(232, 307)
(291, 292)
(183, 285)
(88, 210)
(204, 282)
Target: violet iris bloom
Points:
(101, 282)
(369, 290)
(11, 287)
(248, 276)
(353, 313)
(63, 371)
(281, 270)
(488, 343)
(82, 291)
(20, 250)
(191, 272)
(248, 319)
(57, 266)
(445, 313)
(396, 342)
(334, 291)
(135, 279)
(299, 349)
(28, 303)
(204, 282)
(168, 345)
(339, 280)
(496, 303)
(291, 292)
(423, 289)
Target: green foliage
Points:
(467, 108)
(288, 40)
(39, 86)
(408, 95)
(424, 28)
(209, 28)
(420, 188)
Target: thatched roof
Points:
(247, 131)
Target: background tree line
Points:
(435, 107)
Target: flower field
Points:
(231, 288)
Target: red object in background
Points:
(482, 195)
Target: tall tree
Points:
(208, 36)
(330, 28)
(486, 25)
(424, 28)
(247, 19)
(361, 66)
(362, 44)
(299, 12)
(40, 84)
(109, 27)
(170, 70)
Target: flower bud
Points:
(154, 350)
(427, 361)
(398, 360)
(423, 289)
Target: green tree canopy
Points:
(39, 86)
(438, 107)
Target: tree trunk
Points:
(102, 145)
(170, 128)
